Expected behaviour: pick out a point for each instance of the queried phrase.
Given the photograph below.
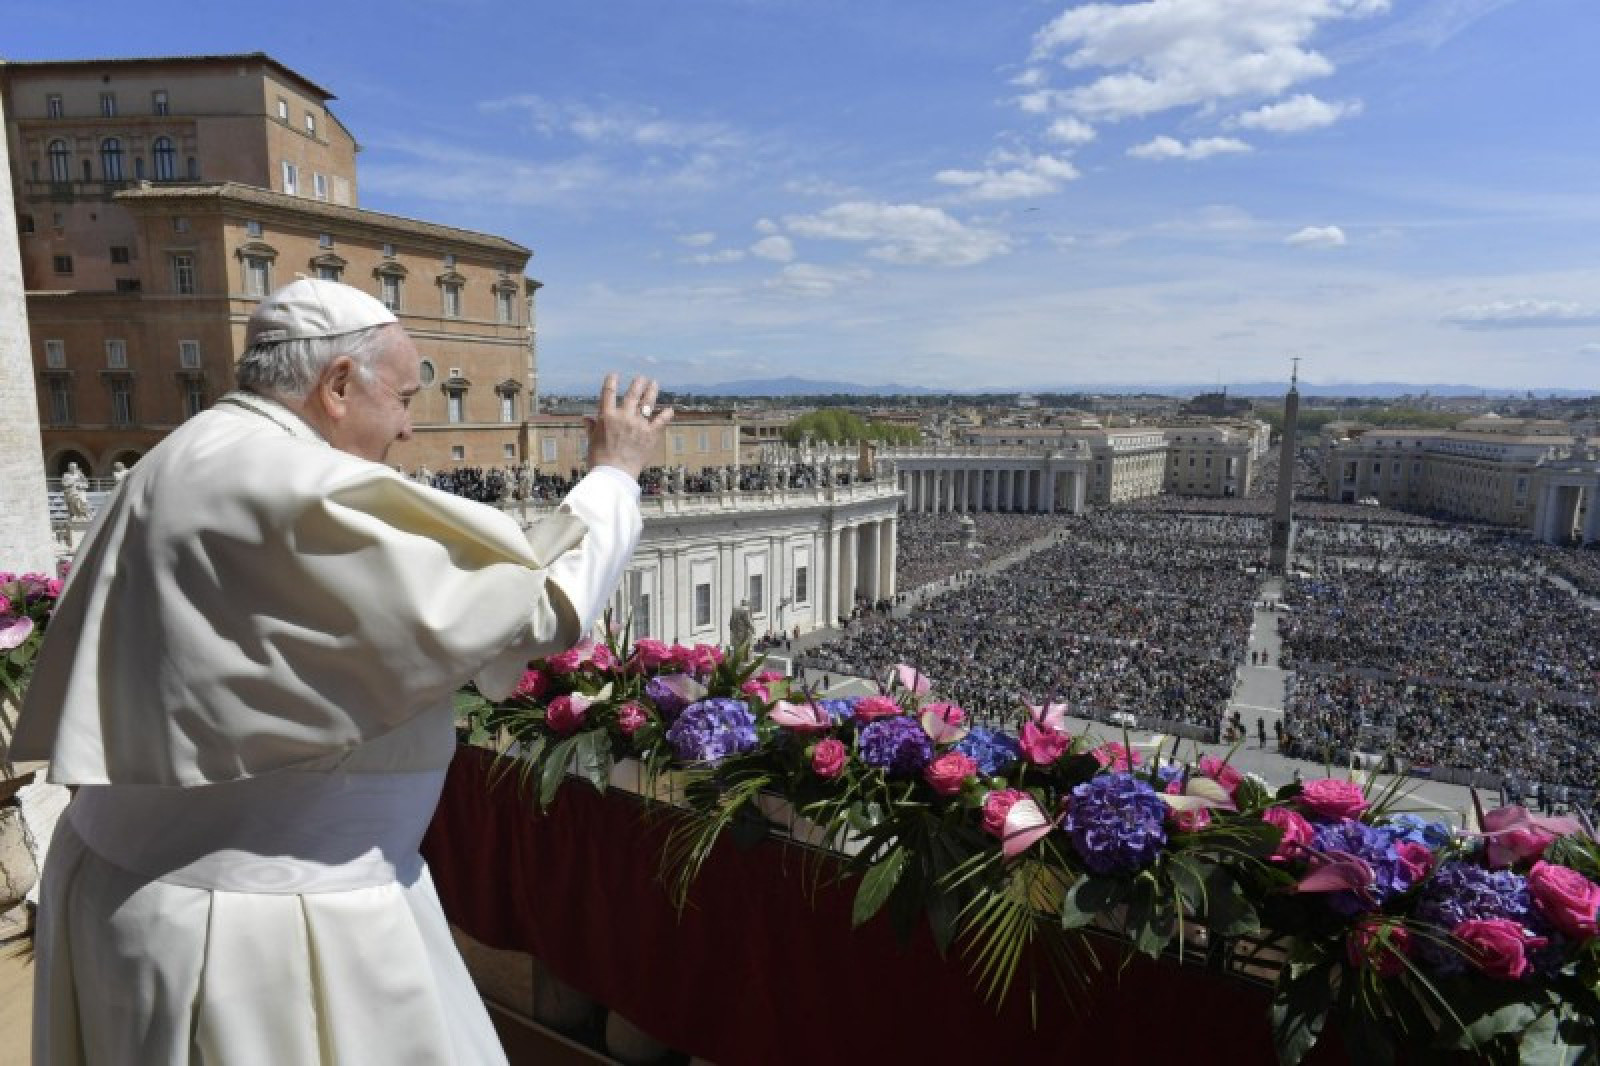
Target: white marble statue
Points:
(75, 493)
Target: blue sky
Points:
(1000, 193)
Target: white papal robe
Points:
(249, 677)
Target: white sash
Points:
(282, 833)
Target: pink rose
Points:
(1041, 744)
(566, 662)
(946, 773)
(1515, 835)
(756, 689)
(532, 685)
(1566, 898)
(871, 708)
(772, 675)
(996, 805)
(631, 718)
(1497, 947)
(1297, 832)
(566, 712)
(1115, 756)
(828, 758)
(5, 605)
(650, 654)
(602, 658)
(1415, 859)
(1327, 798)
(1221, 773)
(1378, 946)
(701, 659)
(1190, 821)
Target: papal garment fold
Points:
(249, 675)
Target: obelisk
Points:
(1282, 549)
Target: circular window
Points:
(426, 372)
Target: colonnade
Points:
(863, 553)
(1557, 506)
(1038, 487)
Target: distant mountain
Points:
(794, 386)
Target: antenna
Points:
(1294, 375)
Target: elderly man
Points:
(249, 679)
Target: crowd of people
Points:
(498, 485)
(931, 547)
(1122, 613)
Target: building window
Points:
(252, 228)
(454, 406)
(449, 262)
(25, 224)
(458, 452)
(52, 106)
(116, 354)
(328, 272)
(388, 251)
(257, 273)
(283, 110)
(183, 275)
(583, 448)
(120, 253)
(60, 162)
(548, 449)
(158, 102)
(166, 160)
(121, 402)
(311, 124)
(426, 372)
(508, 406)
(324, 240)
(55, 355)
(60, 387)
(180, 224)
(727, 440)
(189, 355)
(391, 291)
(452, 300)
(508, 451)
(194, 396)
(111, 159)
(319, 186)
(129, 285)
(108, 105)
(291, 178)
(705, 441)
(62, 264)
(757, 590)
(802, 590)
(677, 444)
(505, 306)
(194, 169)
(702, 605)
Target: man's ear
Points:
(335, 385)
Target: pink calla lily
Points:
(801, 717)
(1338, 871)
(1025, 826)
(1049, 715)
(1201, 793)
(912, 679)
(1514, 834)
(14, 630)
(943, 723)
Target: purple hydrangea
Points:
(666, 692)
(841, 711)
(1115, 822)
(1460, 892)
(1431, 835)
(711, 730)
(993, 751)
(1374, 846)
(897, 745)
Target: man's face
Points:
(376, 404)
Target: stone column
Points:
(1048, 489)
(834, 581)
(950, 489)
(848, 556)
(24, 504)
(887, 554)
(1591, 520)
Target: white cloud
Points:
(766, 225)
(903, 233)
(778, 249)
(721, 255)
(1302, 112)
(1035, 176)
(1317, 237)
(1165, 147)
(1164, 54)
(808, 279)
(1069, 130)
(614, 123)
(1524, 314)
(696, 240)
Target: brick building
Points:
(158, 199)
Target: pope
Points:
(248, 681)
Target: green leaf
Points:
(943, 914)
(593, 757)
(1228, 912)
(554, 770)
(1511, 1017)
(1543, 1045)
(876, 886)
(1299, 1009)
(1188, 879)
(468, 702)
(1089, 898)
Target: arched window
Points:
(166, 159)
(111, 159)
(60, 162)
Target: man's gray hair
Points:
(290, 368)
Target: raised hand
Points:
(627, 434)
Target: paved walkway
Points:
(1258, 691)
(16, 1001)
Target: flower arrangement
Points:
(1404, 935)
(26, 604)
